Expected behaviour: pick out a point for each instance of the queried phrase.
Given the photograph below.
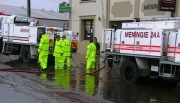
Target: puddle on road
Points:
(113, 89)
(20, 64)
(110, 87)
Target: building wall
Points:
(177, 12)
(93, 10)
(131, 9)
(149, 9)
(123, 9)
(112, 12)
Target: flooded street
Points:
(108, 86)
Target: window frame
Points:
(87, 1)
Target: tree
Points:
(64, 4)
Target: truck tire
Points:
(25, 54)
(129, 72)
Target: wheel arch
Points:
(126, 59)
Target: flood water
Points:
(110, 86)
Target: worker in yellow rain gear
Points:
(66, 81)
(63, 46)
(58, 80)
(90, 56)
(90, 84)
(43, 51)
(62, 78)
(67, 53)
(58, 54)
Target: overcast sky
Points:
(37, 4)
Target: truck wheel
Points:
(25, 54)
(129, 72)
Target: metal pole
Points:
(29, 8)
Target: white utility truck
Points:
(21, 36)
(145, 48)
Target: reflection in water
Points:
(43, 76)
(102, 81)
(62, 78)
(111, 87)
(114, 89)
(150, 92)
(90, 84)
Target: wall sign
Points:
(166, 5)
(150, 6)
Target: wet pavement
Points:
(102, 85)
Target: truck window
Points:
(40, 32)
(57, 30)
(21, 21)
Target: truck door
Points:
(1, 19)
(172, 37)
(6, 32)
(177, 50)
(20, 34)
(142, 42)
(33, 35)
(127, 41)
(117, 38)
(1, 33)
(107, 39)
(156, 37)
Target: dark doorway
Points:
(88, 29)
